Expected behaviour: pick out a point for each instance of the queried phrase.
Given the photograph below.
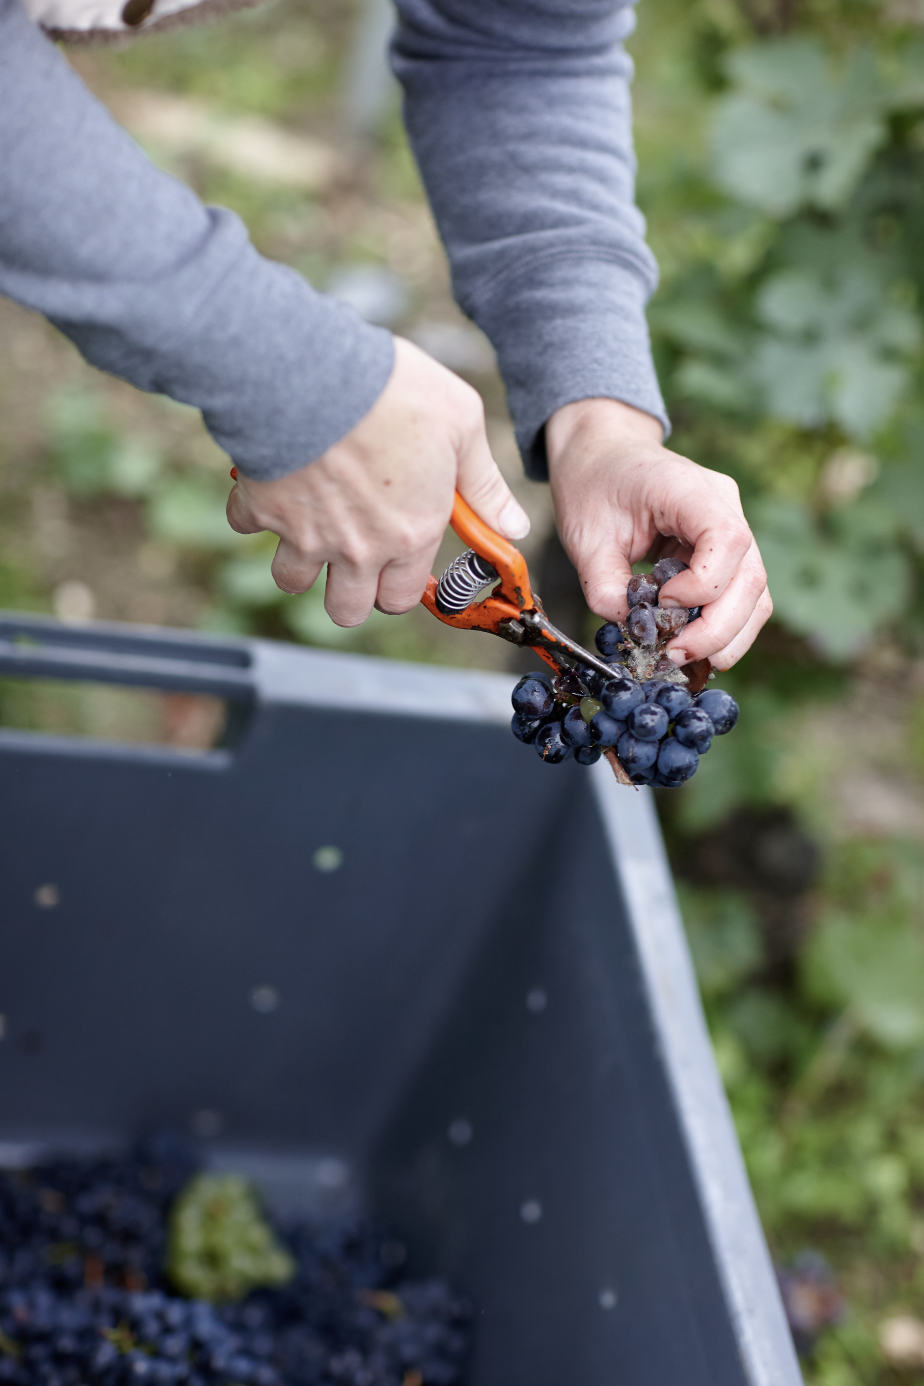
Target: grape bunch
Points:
(644, 719)
(87, 1299)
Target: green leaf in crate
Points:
(220, 1245)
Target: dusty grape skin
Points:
(606, 730)
(642, 588)
(641, 625)
(620, 696)
(648, 722)
(694, 728)
(533, 697)
(587, 755)
(575, 731)
(676, 763)
(549, 744)
(673, 699)
(608, 639)
(667, 568)
(670, 620)
(525, 728)
(720, 707)
(636, 754)
(693, 614)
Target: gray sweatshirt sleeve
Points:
(154, 287)
(520, 119)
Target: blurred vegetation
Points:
(781, 151)
(781, 154)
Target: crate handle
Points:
(41, 647)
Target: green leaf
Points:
(248, 581)
(220, 1245)
(839, 586)
(835, 349)
(189, 511)
(724, 939)
(876, 967)
(797, 130)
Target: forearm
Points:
(155, 288)
(521, 123)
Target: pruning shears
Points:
(511, 610)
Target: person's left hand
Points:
(621, 496)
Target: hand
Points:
(375, 506)
(620, 496)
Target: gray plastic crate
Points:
(486, 1028)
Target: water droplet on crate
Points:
(206, 1124)
(332, 1174)
(460, 1131)
(536, 1000)
(47, 897)
(531, 1210)
(264, 999)
(327, 859)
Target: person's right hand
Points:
(375, 506)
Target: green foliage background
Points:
(781, 167)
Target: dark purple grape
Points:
(676, 763)
(695, 728)
(673, 699)
(568, 685)
(590, 679)
(574, 730)
(670, 620)
(694, 613)
(587, 755)
(636, 754)
(667, 568)
(721, 707)
(620, 696)
(644, 776)
(533, 697)
(525, 728)
(648, 722)
(549, 744)
(652, 687)
(606, 730)
(608, 639)
(641, 625)
(642, 588)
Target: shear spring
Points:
(462, 580)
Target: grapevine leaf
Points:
(797, 130)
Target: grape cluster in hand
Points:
(644, 719)
(85, 1299)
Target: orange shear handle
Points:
(509, 598)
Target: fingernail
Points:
(513, 520)
(678, 656)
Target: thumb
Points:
(479, 481)
(238, 511)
